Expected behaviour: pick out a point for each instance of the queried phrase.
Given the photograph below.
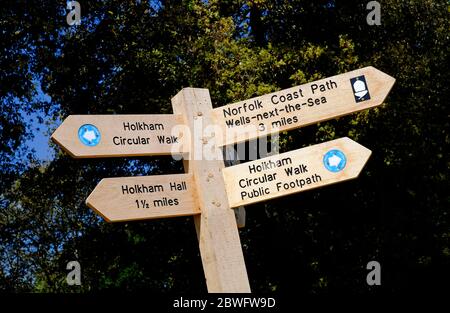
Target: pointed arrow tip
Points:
(59, 136)
(54, 136)
(91, 203)
(386, 80)
(360, 154)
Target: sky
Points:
(41, 126)
(41, 140)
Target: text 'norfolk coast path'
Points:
(302, 105)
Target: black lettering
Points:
(272, 99)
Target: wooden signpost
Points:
(207, 190)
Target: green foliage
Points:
(133, 56)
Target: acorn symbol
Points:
(360, 89)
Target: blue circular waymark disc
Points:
(89, 135)
(334, 160)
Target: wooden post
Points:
(217, 232)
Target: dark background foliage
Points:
(133, 56)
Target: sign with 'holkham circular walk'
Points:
(93, 136)
(294, 171)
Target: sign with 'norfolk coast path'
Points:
(144, 197)
(94, 136)
(302, 105)
(311, 167)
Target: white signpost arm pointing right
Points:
(295, 171)
(302, 105)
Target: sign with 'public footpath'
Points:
(294, 171)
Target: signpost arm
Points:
(220, 247)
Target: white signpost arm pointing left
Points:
(122, 199)
(124, 135)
